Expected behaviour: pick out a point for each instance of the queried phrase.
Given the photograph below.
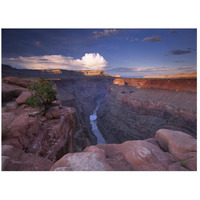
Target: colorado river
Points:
(95, 129)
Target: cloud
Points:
(103, 34)
(132, 39)
(173, 32)
(149, 71)
(90, 61)
(180, 52)
(152, 39)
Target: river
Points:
(95, 130)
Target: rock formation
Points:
(131, 112)
(181, 75)
(82, 94)
(138, 155)
(14, 159)
(136, 110)
(50, 136)
(178, 85)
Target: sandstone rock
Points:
(19, 130)
(7, 118)
(11, 106)
(57, 102)
(177, 167)
(25, 128)
(191, 164)
(17, 81)
(144, 156)
(5, 161)
(11, 91)
(21, 99)
(16, 160)
(53, 113)
(115, 158)
(85, 161)
(153, 141)
(180, 144)
(188, 85)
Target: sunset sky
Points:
(125, 52)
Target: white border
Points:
(100, 14)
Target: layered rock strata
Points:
(136, 112)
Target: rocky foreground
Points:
(33, 142)
(168, 151)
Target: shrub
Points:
(184, 163)
(42, 94)
(33, 101)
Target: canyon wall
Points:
(50, 136)
(82, 94)
(135, 108)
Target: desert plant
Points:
(42, 94)
(184, 163)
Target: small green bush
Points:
(42, 94)
(33, 101)
(184, 163)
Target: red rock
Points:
(144, 156)
(188, 85)
(7, 118)
(177, 167)
(84, 161)
(48, 138)
(21, 99)
(180, 144)
(17, 81)
(191, 164)
(16, 160)
(153, 141)
(11, 91)
(19, 128)
(115, 158)
(53, 113)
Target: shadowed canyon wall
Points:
(136, 108)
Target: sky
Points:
(124, 52)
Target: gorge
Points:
(133, 115)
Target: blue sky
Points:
(125, 52)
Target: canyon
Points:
(140, 124)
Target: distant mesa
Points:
(116, 76)
(181, 75)
(93, 72)
(54, 71)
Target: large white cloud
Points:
(90, 61)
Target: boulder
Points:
(17, 160)
(11, 91)
(177, 167)
(144, 156)
(93, 160)
(21, 99)
(53, 113)
(19, 130)
(191, 164)
(180, 144)
(17, 81)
